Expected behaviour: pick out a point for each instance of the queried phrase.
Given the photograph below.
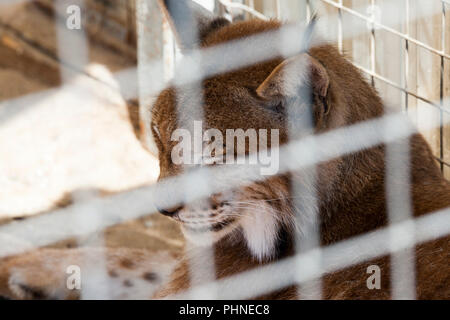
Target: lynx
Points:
(258, 223)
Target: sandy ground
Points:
(56, 139)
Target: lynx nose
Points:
(169, 211)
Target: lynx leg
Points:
(75, 273)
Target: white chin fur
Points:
(260, 229)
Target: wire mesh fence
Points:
(405, 56)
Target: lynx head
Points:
(293, 96)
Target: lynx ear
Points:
(293, 74)
(190, 22)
